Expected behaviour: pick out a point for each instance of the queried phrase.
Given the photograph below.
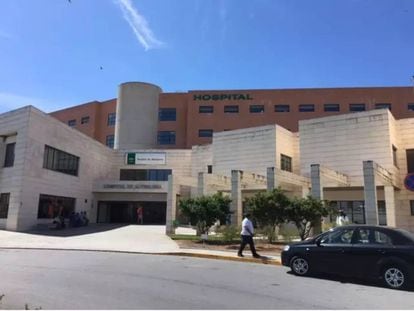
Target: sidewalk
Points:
(114, 238)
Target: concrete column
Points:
(390, 206)
(201, 184)
(370, 194)
(316, 192)
(236, 206)
(171, 205)
(316, 182)
(271, 179)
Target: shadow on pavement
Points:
(74, 231)
(351, 280)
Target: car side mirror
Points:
(318, 242)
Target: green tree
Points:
(204, 211)
(269, 210)
(306, 212)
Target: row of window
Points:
(145, 175)
(170, 114)
(86, 119)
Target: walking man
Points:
(247, 237)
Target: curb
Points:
(264, 260)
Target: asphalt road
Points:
(94, 280)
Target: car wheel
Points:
(394, 277)
(299, 266)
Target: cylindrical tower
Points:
(136, 116)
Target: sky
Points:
(60, 53)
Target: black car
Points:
(357, 251)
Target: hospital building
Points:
(147, 148)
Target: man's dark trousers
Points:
(247, 239)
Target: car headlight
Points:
(286, 248)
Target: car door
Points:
(333, 251)
(369, 246)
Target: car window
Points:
(362, 236)
(382, 238)
(370, 236)
(343, 236)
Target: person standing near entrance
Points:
(140, 215)
(247, 237)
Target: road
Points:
(97, 280)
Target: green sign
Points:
(131, 158)
(206, 97)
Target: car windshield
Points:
(407, 234)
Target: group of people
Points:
(77, 219)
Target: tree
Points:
(204, 211)
(269, 210)
(306, 212)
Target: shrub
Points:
(204, 211)
(289, 232)
(229, 232)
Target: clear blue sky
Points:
(52, 51)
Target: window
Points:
(410, 106)
(60, 161)
(209, 169)
(383, 106)
(285, 163)
(51, 206)
(356, 107)
(205, 133)
(394, 155)
(412, 207)
(167, 114)
(369, 236)
(256, 108)
(282, 108)
(231, 109)
(145, 175)
(110, 141)
(410, 160)
(330, 107)
(9, 158)
(72, 122)
(205, 109)
(307, 108)
(85, 120)
(339, 236)
(111, 119)
(381, 238)
(382, 213)
(4, 204)
(166, 138)
(362, 236)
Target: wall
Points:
(406, 137)
(287, 143)
(96, 162)
(137, 115)
(342, 143)
(252, 150)
(201, 157)
(14, 126)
